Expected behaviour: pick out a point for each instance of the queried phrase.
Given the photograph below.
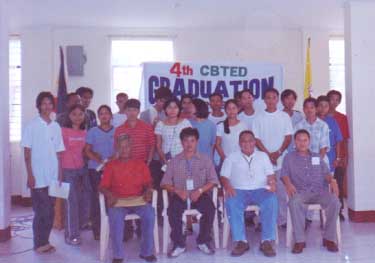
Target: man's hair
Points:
(133, 103)
(245, 91)
(310, 100)
(186, 96)
(215, 94)
(69, 123)
(201, 108)
(322, 98)
(301, 131)
(104, 107)
(44, 95)
(82, 90)
(287, 93)
(71, 94)
(271, 90)
(334, 92)
(246, 132)
(163, 93)
(189, 131)
(121, 94)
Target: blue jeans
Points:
(73, 205)
(44, 212)
(266, 200)
(116, 223)
(85, 198)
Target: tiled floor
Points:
(358, 246)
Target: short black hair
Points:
(301, 131)
(322, 98)
(310, 100)
(187, 96)
(68, 123)
(163, 93)
(271, 90)
(71, 94)
(133, 103)
(334, 92)
(189, 131)
(215, 94)
(44, 95)
(287, 93)
(172, 100)
(121, 94)
(246, 132)
(245, 91)
(82, 90)
(201, 108)
(104, 107)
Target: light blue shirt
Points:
(102, 142)
(207, 136)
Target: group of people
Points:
(272, 158)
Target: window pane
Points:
(337, 69)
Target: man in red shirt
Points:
(334, 97)
(123, 179)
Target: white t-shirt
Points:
(171, 136)
(44, 140)
(247, 172)
(216, 120)
(247, 119)
(118, 119)
(271, 128)
(230, 141)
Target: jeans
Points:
(116, 223)
(236, 205)
(95, 177)
(73, 205)
(339, 176)
(86, 195)
(43, 207)
(177, 207)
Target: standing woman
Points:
(98, 149)
(74, 137)
(168, 143)
(228, 131)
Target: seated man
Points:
(306, 177)
(125, 181)
(189, 178)
(248, 178)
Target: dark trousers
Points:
(95, 207)
(84, 216)
(157, 175)
(44, 212)
(339, 176)
(175, 210)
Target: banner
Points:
(201, 80)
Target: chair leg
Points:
(216, 231)
(104, 237)
(225, 232)
(338, 230)
(165, 234)
(289, 229)
(156, 235)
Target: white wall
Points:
(40, 60)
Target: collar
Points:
(181, 156)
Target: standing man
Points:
(306, 177)
(248, 113)
(43, 144)
(216, 104)
(273, 132)
(189, 178)
(248, 177)
(120, 117)
(86, 95)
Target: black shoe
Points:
(267, 249)
(151, 258)
(117, 260)
(240, 248)
(342, 217)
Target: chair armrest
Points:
(103, 211)
(214, 196)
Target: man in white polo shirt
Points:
(273, 132)
(248, 178)
(42, 142)
(248, 114)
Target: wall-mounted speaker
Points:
(75, 60)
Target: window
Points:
(14, 89)
(337, 69)
(127, 56)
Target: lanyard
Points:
(248, 163)
(189, 168)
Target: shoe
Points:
(151, 258)
(206, 249)
(308, 222)
(330, 245)
(117, 260)
(176, 251)
(267, 249)
(75, 241)
(240, 248)
(45, 249)
(298, 247)
(342, 217)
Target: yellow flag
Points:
(308, 78)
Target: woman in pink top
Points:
(74, 136)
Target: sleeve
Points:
(256, 127)
(268, 167)
(220, 130)
(288, 125)
(106, 180)
(213, 133)
(59, 142)
(285, 170)
(324, 139)
(159, 128)
(212, 176)
(324, 166)
(26, 140)
(226, 169)
(168, 175)
(90, 136)
(186, 124)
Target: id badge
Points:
(189, 184)
(315, 160)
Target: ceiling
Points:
(211, 14)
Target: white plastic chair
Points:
(104, 225)
(317, 207)
(190, 212)
(226, 226)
